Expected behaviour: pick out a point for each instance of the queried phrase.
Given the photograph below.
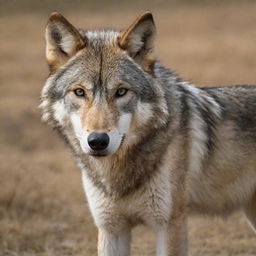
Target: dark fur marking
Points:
(207, 117)
(98, 84)
(185, 115)
(56, 35)
(210, 123)
(144, 49)
(58, 91)
(138, 80)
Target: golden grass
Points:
(42, 206)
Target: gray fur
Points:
(206, 137)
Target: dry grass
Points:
(42, 206)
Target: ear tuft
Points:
(138, 39)
(62, 41)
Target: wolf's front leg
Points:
(171, 239)
(114, 244)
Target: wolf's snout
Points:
(98, 141)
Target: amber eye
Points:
(79, 92)
(121, 92)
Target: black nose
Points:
(98, 141)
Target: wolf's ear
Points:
(138, 39)
(62, 41)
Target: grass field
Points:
(43, 211)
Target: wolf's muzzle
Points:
(98, 141)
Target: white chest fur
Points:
(151, 204)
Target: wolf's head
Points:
(101, 88)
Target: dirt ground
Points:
(43, 210)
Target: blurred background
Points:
(43, 210)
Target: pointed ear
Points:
(138, 39)
(62, 41)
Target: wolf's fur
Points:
(173, 147)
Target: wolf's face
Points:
(103, 99)
(99, 88)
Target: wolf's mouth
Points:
(97, 154)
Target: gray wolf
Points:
(151, 147)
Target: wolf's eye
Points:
(79, 92)
(121, 92)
